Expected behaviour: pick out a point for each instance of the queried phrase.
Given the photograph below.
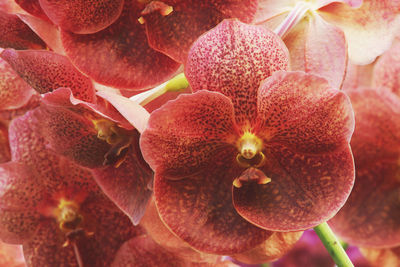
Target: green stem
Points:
(332, 244)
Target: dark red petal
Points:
(233, 59)
(160, 233)
(173, 34)
(319, 48)
(16, 34)
(370, 216)
(199, 209)
(119, 55)
(305, 189)
(128, 186)
(182, 135)
(5, 154)
(302, 111)
(45, 71)
(81, 16)
(14, 91)
(386, 69)
(271, 249)
(19, 195)
(32, 7)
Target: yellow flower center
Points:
(250, 154)
(68, 215)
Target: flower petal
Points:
(233, 59)
(319, 48)
(119, 55)
(45, 71)
(4, 144)
(14, 91)
(16, 34)
(382, 257)
(369, 29)
(273, 248)
(83, 17)
(199, 210)
(370, 216)
(302, 111)
(174, 33)
(128, 185)
(32, 7)
(181, 136)
(386, 69)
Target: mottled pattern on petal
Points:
(5, 154)
(45, 71)
(369, 29)
(19, 194)
(233, 59)
(14, 91)
(302, 111)
(45, 248)
(305, 189)
(143, 251)
(32, 7)
(81, 16)
(119, 55)
(16, 34)
(370, 217)
(183, 135)
(386, 69)
(173, 34)
(128, 186)
(271, 249)
(319, 48)
(199, 209)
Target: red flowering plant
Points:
(237, 158)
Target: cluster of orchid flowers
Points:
(180, 132)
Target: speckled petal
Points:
(174, 33)
(16, 34)
(119, 55)
(81, 16)
(182, 135)
(304, 112)
(14, 91)
(386, 69)
(199, 209)
(305, 189)
(319, 48)
(370, 216)
(46, 71)
(18, 197)
(233, 59)
(32, 7)
(273, 248)
(128, 186)
(369, 29)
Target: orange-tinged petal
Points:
(369, 29)
(319, 48)
(382, 257)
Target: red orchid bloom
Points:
(53, 207)
(236, 157)
(107, 41)
(370, 216)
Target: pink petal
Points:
(319, 48)
(369, 29)
(80, 16)
(14, 91)
(358, 76)
(32, 7)
(370, 216)
(386, 70)
(45, 71)
(119, 55)
(174, 33)
(233, 59)
(16, 34)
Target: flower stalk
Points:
(333, 245)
